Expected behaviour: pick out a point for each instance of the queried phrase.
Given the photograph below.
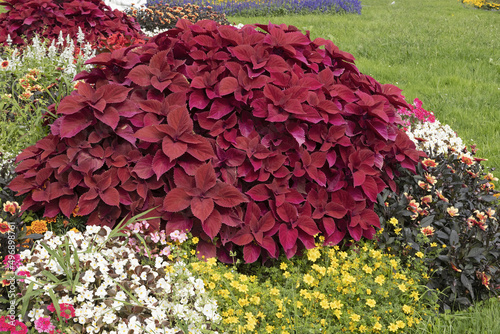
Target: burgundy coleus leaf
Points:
(293, 223)
(102, 187)
(310, 164)
(256, 228)
(283, 102)
(202, 195)
(160, 73)
(256, 152)
(177, 136)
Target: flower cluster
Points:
(32, 79)
(416, 114)
(434, 138)
(333, 290)
(448, 216)
(483, 4)
(100, 284)
(276, 7)
(161, 16)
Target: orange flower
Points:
(75, 211)
(455, 268)
(490, 177)
(428, 231)
(485, 279)
(426, 200)
(39, 226)
(4, 227)
(11, 207)
(441, 197)
(429, 163)
(424, 185)
(431, 179)
(468, 160)
(452, 211)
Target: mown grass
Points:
(440, 51)
(482, 318)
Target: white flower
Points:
(87, 294)
(89, 276)
(120, 295)
(109, 317)
(101, 291)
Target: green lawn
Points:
(440, 51)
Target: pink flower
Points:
(165, 251)
(19, 328)
(43, 325)
(12, 261)
(178, 236)
(23, 273)
(5, 325)
(67, 310)
(155, 237)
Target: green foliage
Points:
(33, 79)
(447, 214)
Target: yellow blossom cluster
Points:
(359, 289)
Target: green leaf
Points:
(475, 252)
(453, 238)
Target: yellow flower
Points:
(397, 231)
(368, 291)
(393, 327)
(380, 279)
(255, 300)
(274, 292)
(355, 317)
(313, 254)
(371, 302)
(393, 263)
(336, 304)
(367, 269)
(325, 304)
(406, 309)
(195, 240)
(393, 221)
(74, 229)
(212, 261)
(414, 295)
(211, 285)
(269, 328)
(420, 254)
(400, 324)
(308, 279)
(283, 266)
(279, 315)
(39, 226)
(377, 326)
(433, 244)
(229, 276)
(402, 287)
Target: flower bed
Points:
(292, 259)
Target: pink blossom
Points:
(19, 328)
(165, 251)
(155, 237)
(12, 261)
(43, 325)
(178, 236)
(23, 273)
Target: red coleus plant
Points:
(48, 18)
(257, 139)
